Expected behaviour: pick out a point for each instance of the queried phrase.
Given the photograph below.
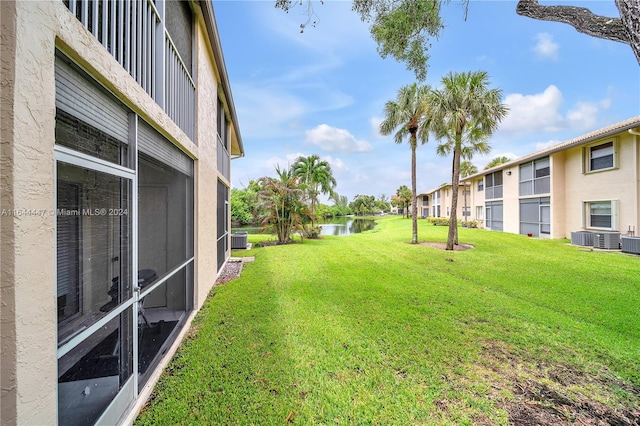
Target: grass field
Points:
(368, 329)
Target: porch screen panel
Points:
(156, 146)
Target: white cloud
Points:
(375, 126)
(534, 112)
(332, 139)
(541, 112)
(545, 47)
(585, 115)
(337, 165)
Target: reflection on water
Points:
(336, 226)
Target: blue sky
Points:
(323, 91)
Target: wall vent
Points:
(631, 245)
(606, 240)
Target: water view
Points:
(336, 226)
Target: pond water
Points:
(336, 226)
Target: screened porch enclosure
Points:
(152, 40)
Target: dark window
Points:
(535, 177)
(601, 156)
(493, 185)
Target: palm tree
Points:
(467, 168)
(282, 204)
(408, 114)
(317, 176)
(496, 162)
(403, 199)
(465, 112)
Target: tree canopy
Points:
(404, 29)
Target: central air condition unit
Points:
(631, 245)
(239, 240)
(582, 238)
(606, 240)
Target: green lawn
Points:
(368, 329)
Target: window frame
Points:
(491, 186)
(587, 215)
(534, 179)
(587, 158)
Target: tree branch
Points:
(582, 19)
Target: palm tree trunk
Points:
(414, 203)
(453, 217)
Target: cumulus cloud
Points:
(545, 47)
(538, 111)
(541, 112)
(332, 139)
(337, 165)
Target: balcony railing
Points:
(134, 34)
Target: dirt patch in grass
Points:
(443, 246)
(544, 394)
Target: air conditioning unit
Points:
(239, 240)
(582, 238)
(606, 240)
(631, 245)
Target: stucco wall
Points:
(32, 240)
(617, 184)
(205, 198)
(558, 200)
(511, 200)
(29, 322)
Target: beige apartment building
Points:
(118, 127)
(589, 183)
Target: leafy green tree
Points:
(496, 162)
(403, 29)
(340, 206)
(465, 113)
(409, 115)
(363, 204)
(315, 176)
(240, 210)
(283, 205)
(403, 199)
(243, 204)
(382, 204)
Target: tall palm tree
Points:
(465, 112)
(409, 115)
(317, 176)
